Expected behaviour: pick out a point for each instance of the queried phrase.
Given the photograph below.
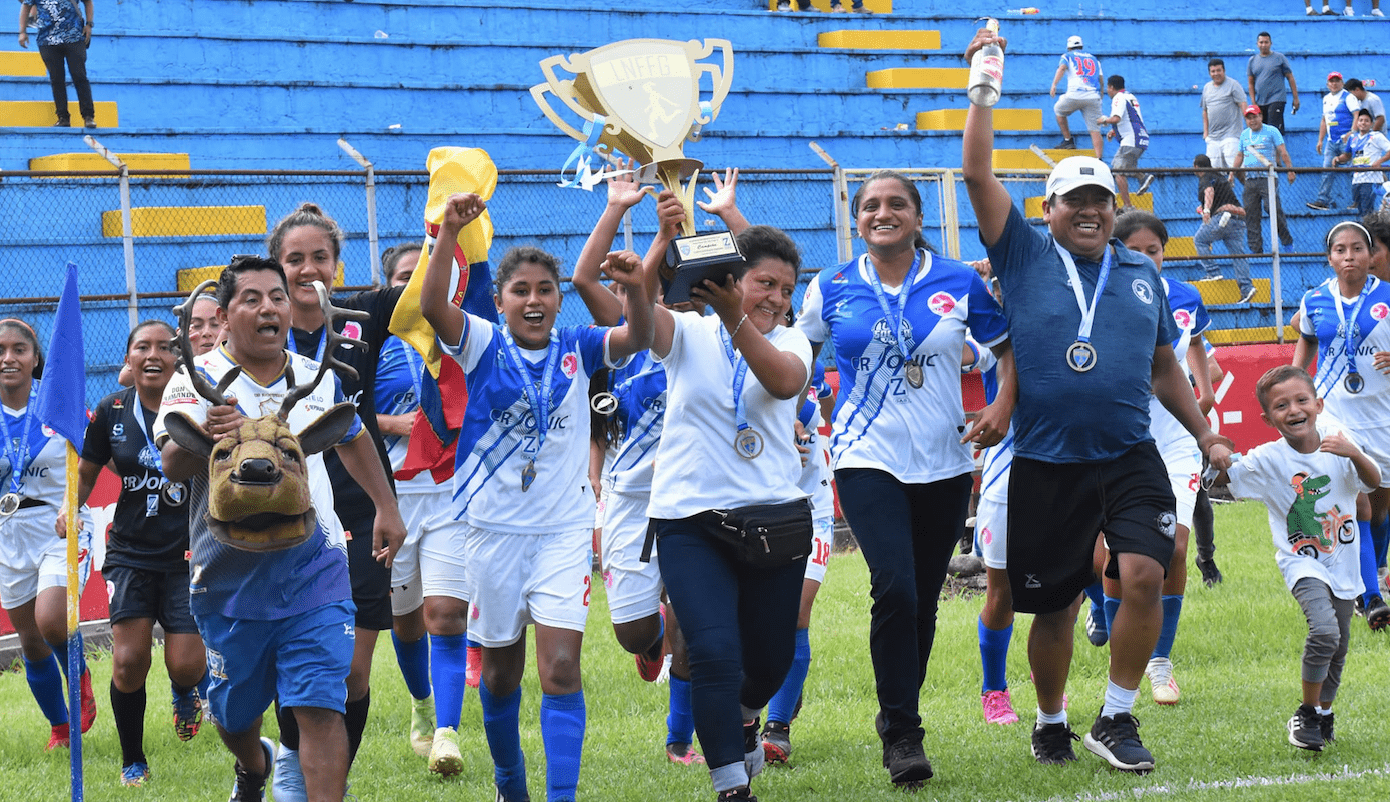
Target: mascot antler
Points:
(258, 484)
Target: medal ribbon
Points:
(538, 398)
(877, 285)
(1088, 313)
(19, 460)
(145, 430)
(740, 366)
(416, 365)
(1350, 331)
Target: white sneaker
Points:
(1349, 12)
(445, 757)
(287, 782)
(1160, 674)
(1375, 12)
(1248, 296)
(1311, 12)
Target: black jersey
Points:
(150, 530)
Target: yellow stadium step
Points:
(919, 78)
(21, 63)
(173, 162)
(1032, 207)
(41, 114)
(881, 40)
(1027, 159)
(187, 221)
(876, 6)
(1004, 120)
(1180, 246)
(190, 277)
(1259, 334)
(1226, 291)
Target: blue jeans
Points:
(1331, 149)
(1365, 196)
(740, 630)
(907, 533)
(1231, 235)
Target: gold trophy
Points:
(641, 98)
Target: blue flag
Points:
(61, 402)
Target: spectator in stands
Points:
(1083, 94)
(1335, 125)
(63, 37)
(1375, 9)
(1326, 9)
(1129, 127)
(835, 6)
(1222, 102)
(1217, 204)
(1365, 147)
(1262, 145)
(1265, 72)
(1362, 99)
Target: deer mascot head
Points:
(258, 482)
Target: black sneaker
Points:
(1066, 144)
(1305, 729)
(63, 124)
(250, 787)
(1116, 739)
(1325, 725)
(744, 794)
(777, 742)
(1052, 744)
(1377, 613)
(1211, 575)
(906, 762)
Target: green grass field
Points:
(1237, 661)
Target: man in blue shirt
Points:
(1261, 146)
(1084, 461)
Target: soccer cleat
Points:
(1096, 631)
(753, 757)
(1377, 614)
(135, 774)
(1247, 296)
(58, 738)
(501, 797)
(249, 786)
(288, 782)
(188, 713)
(777, 742)
(1066, 144)
(1325, 726)
(742, 794)
(1160, 674)
(1116, 739)
(89, 701)
(998, 707)
(445, 758)
(1052, 744)
(1144, 186)
(473, 667)
(422, 725)
(1211, 575)
(1305, 729)
(684, 754)
(1317, 204)
(906, 762)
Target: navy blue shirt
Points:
(1063, 416)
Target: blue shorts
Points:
(303, 660)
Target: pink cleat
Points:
(998, 707)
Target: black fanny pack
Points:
(766, 535)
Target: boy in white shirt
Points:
(1364, 146)
(1309, 481)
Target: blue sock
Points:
(1380, 535)
(46, 683)
(449, 668)
(61, 650)
(1369, 577)
(1096, 593)
(502, 725)
(783, 703)
(680, 721)
(994, 654)
(562, 732)
(414, 660)
(1172, 611)
(1112, 606)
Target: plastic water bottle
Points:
(987, 71)
(1210, 472)
(1224, 219)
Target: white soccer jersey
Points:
(45, 473)
(1190, 315)
(1369, 408)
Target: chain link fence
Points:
(189, 220)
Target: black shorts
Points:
(1056, 511)
(371, 581)
(142, 593)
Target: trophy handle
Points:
(558, 83)
(723, 77)
(538, 93)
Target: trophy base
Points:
(695, 259)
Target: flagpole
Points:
(74, 641)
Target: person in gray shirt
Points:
(1265, 73)
(1367, 100)
(1223, 104)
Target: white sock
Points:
(1117, 700)
(1060, 717)
(1324, 711)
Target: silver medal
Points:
(9, 504)
(1354, 383)
(748, 443)
(174, 493)
(1081, 356)
(528, 475)
(604, 404)
(914, 373)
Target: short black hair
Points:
(1135, 219)
(1215, 62)
(393, 255)
(1353, 84)
(1202, 160)
(231, 275)
(761, 242)
(1265, 34)
(1364, 113)
(141, 326)
(1116, 81)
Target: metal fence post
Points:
(844, 247)
(127, 232)
(371, 207)
(1275, 284)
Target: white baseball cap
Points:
(1079, 171)
(1073, 42)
